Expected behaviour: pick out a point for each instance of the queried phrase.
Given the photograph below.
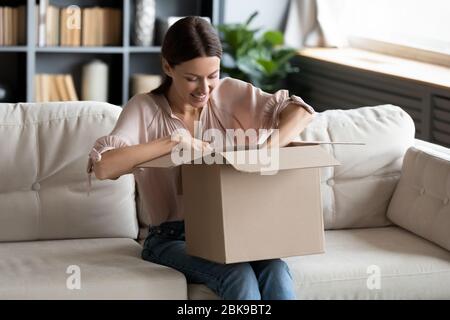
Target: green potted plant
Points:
(262, 60)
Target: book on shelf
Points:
(2, 27)
(38, 88)
(13, 22)
(70, 26)
(12, 26)
(63, 93)
(22, 25)
(100, 32)
(68, 81)
(75, 34)
(86, 38)
(74, 26)
(101, 26)
(52, 26)
(54, 87)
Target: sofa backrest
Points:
(356, 194)
(44, 151)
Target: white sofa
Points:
(387, 216)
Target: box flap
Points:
(254, 160)
(307, 143)
(305, 156)
(178, 158)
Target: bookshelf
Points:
(20, 63)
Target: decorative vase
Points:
(144, 23)
(94, 84)
(144, 82)
(5, 93)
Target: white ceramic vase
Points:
(144, 23)
(94, 84)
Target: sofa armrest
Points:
(421, 200)
(432, 148)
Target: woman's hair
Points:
(189, 38)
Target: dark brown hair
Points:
(188, 38)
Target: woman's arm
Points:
(293, 120)
(117, 162)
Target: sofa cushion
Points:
(109, 268)
(421, 201)
(45, 148)
(357, 193)
(409, 267)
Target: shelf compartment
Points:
(144, 63)
(13, 75)
(168, 8)
(72, 63)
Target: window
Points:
(414, 24)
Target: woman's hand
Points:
(293, 120)
(187, 142)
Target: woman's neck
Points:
(178, 106)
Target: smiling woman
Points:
(188, 39)
(192, 83)
(192, 91)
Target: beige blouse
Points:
(233, 104)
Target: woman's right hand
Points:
(187, 142)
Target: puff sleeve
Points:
(130, 129)
(251, 107)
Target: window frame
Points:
(399, 50)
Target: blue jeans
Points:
(265, 279)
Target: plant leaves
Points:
(250, 19)
(269, 66)
(261, 60)
(275, 38)
(250, 67)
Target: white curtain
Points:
(315, 23)
(330, 23)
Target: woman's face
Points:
(194, 80)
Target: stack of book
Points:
(101, 27)
(55, 87)
(75, 26)
(13, 26)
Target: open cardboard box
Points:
(239, 211)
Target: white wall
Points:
(272, 13)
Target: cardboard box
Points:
(239, 211)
